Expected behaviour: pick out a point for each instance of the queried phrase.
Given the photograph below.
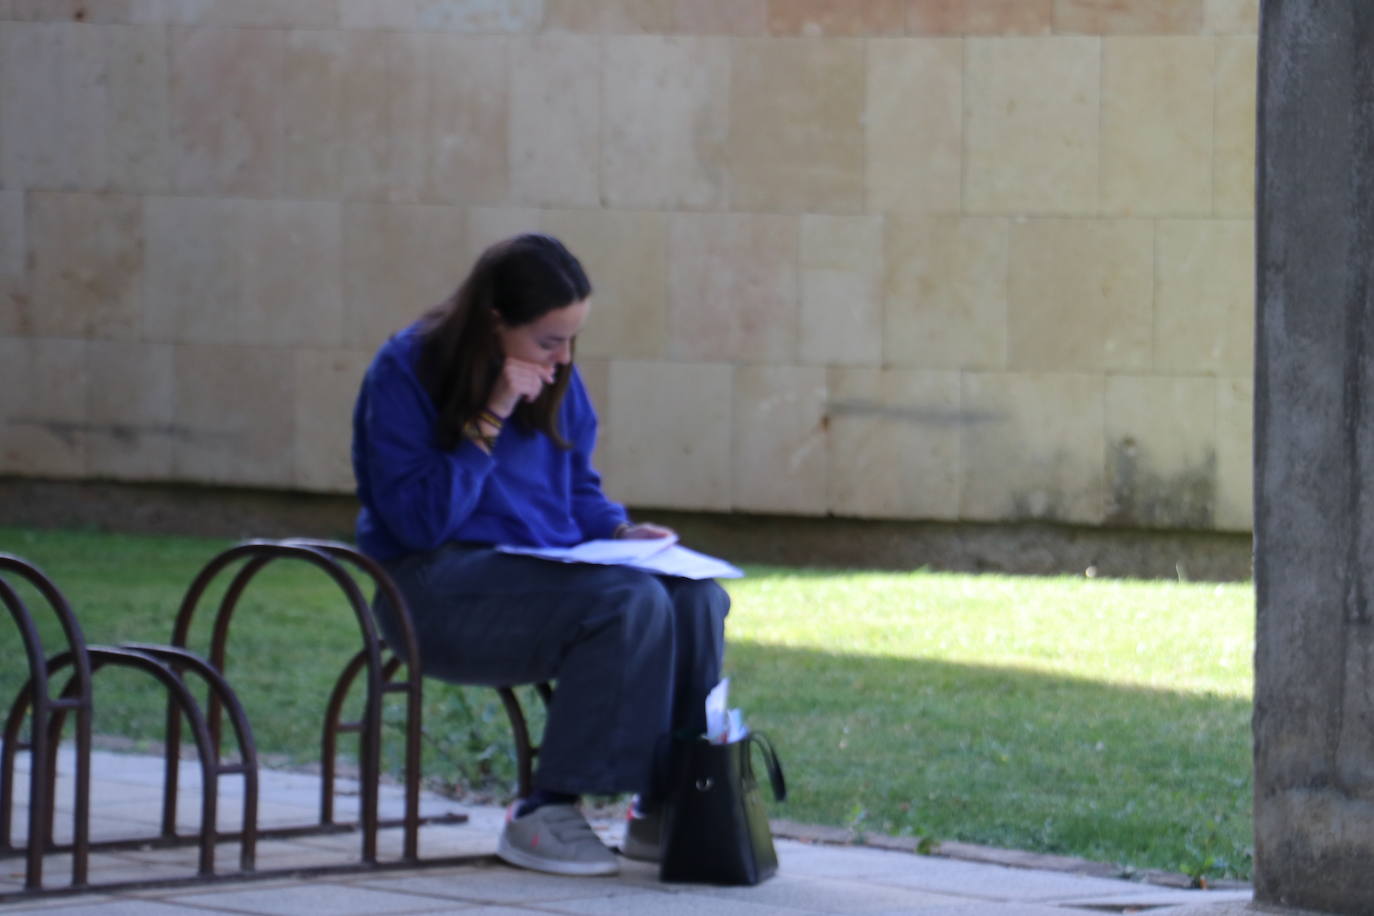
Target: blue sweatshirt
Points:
(416, 497)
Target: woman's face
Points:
(546, 341)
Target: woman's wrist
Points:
(500, 410)
(621, 529)
(484, 429)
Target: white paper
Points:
(658, 555)
(724, 724)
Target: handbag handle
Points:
(770, 760)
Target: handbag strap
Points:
(770, 760)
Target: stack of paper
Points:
(658, 555)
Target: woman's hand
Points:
(519, 380)
(644, 531)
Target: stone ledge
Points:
(992, 855)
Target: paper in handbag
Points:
(715, 827)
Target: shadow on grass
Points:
(1005, 757)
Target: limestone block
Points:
(1157, 125)
(479, 16)
(720, 17)
(1031, 125)
(16, 313)
(16, 307)
(193, 287)
(945, 293)
(817, 18)
(465, 145)
(53, 76)
(384, 124)
(555, 121)
(670, 434)
(139, 118)
(43, 407)
(1235, 454)
(226, 110)
(841, 279)
(1033, 447)
(235, 411)
(86, 107)
(1205, 305)
(378, 14)
(398, 260)
(732, 287)
(596, 376)
(13, 237)
(130, 395)
(312, 99)
(666, 108)
(291, 266)
(1161, 452)
(1231, 17)
(239, 271)
(1132, 17)
(914, 124)
(87, 252)
(796, 137)
(609, 16)
(980, 17)
(626, 257)
(276, 14)
(780, 441)
(326, 386)
(149, 11)
(1080, 295)
(108, 11)
(1234, 180)
(488, 225)
(894, 443)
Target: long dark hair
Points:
(518, 281)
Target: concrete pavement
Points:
(814, 878)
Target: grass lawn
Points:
(1107, 719)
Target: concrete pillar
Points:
(1314, 457)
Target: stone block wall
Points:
(914, 259)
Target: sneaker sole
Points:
(522, 859)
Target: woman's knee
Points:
(640, 600)
(701, 597)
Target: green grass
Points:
(1101, 718)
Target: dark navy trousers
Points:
(633, 654)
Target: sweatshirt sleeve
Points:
(597, 516)
(420, 493)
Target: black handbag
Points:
(715, 828)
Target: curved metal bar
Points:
(181, 631)
(101, 656)
(329, 739)
(409, 654)
(40, 698)
(262, 553)
(178, 658)
(524, 751)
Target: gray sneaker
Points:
(555, 839)
(643, 834)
